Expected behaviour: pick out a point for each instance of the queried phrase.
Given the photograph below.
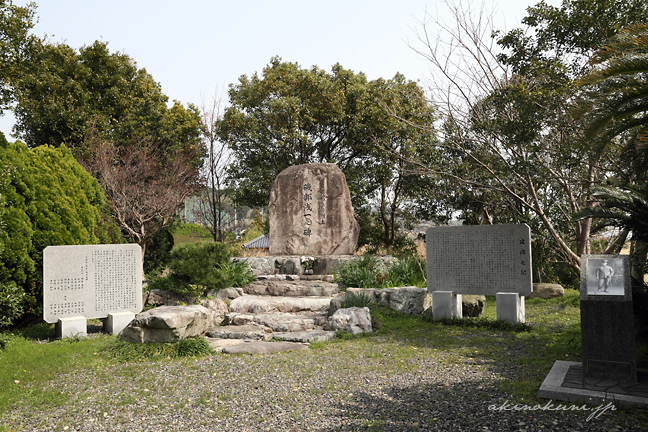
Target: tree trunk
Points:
(638, 256)
(615, 246)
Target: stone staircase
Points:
(279, 307)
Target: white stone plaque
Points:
(479, 259)
(91, 280)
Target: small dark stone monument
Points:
(607, 324)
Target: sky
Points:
(196, 48)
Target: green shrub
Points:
(135, 352)
(196, 268)
(407, 272)
(360, 272)
(192, 347)
(352, 299)
(364, 273)
(48, 199)
(38, 332)
(11, 303)
(237, 273)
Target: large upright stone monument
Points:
(311, 213)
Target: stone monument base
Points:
(510, 307)
(291, 264)
(116, 322)
(72, 327)
(446, 304)
(565, 382)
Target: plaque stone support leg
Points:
(510, 307)
(71, 327)
(446, 304)
(116, 322)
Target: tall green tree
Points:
(16, 45)
(616, 104)
(290, 116)
(62, 93)
(399, 123)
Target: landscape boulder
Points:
(218, 308)
(259, 265)
(310, 212)
(472, 305)
(547, 291)
(353, 320)
(226, 294)
(168, 324)
(159, 297)
(410, 300)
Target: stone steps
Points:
(279, 322)
(253, 304)
(298, 288)
(288, 308)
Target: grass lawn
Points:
(31, 368)
(191, 233)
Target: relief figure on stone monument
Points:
(605, 276)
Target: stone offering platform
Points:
(324, 265)
(566, 382)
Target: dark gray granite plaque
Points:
(480, 259)
(607, 324)
(91, 281)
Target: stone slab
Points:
(266, 304)
(71, 327)
(116, 322)
(554, 387)
(238, 332)
(510, 307)
(263, 347)
(480, 259)
(91, 280)
(305, 336)
(289, 322)
(219, 344)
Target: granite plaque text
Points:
(480, 259)
(91, 280)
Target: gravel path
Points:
(375, 384)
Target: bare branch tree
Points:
(524, 148)
(210, 210)
(144, 186)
